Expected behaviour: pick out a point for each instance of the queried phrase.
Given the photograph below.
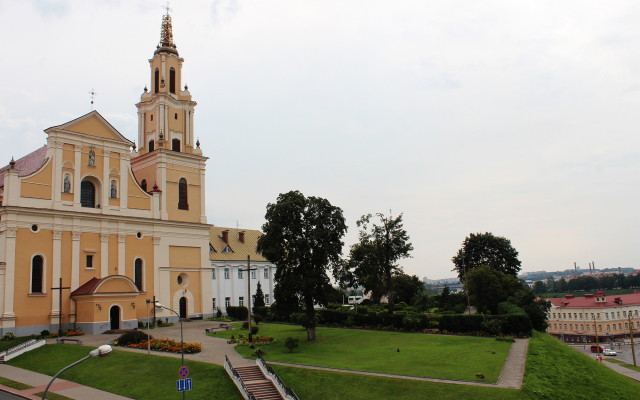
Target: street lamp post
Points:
(633, 349)
(101, 351)
(158, 305)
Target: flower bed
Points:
(261, 340)
(74, 333)
(168, 345)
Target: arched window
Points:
(151, 146)
(182, 195)
(143, 185)
(138, 273)
(175, 145)
(114, 190)
(156, 81)
(36, 274)
(172, 80)
(87, 194)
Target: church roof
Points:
(27, 164)
(238, 250)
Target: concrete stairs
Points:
(257, 384)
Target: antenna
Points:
(93, 96)
(166, 8)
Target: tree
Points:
(406, 287)
(486, 289)
(485, 249)
(303, 238)
(539, 287)
(259, 300)
(536, 309)
(377, 252)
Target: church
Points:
(92, 226)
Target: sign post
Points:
(183, 384)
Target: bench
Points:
(222, 326)
(62, 340)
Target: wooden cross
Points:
(249, 269)
(60, 306)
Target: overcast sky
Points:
(516, 118)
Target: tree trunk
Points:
(390, 292)
(311, 320)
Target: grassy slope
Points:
(556, 371)
(134, 375)
(435, 356)
(323, 385)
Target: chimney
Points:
(241, 236)
(225, 236)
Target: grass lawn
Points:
(324, 385)
(53, 396)
(7, 344)
(133, 375)
(556, 371)
(613, 360)
(446, 357)
(14, 384)
(632, 367)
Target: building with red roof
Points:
(581, 319)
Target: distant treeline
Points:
(587, 283)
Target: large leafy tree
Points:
(303, 238)
(485, 249)
(374, 259)
(406, 288)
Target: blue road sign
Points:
(184, 372)
(184, 384)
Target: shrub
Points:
(238, 313)
(254, 329)
(492, 326)
(133, 337)
(506, 307)
(245, 325)
(291, 343)
(257, 319)
(219, 313)
(45, 333)
(9, 336)
(412, 322)
(258, 353)
(262, 311)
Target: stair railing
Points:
(238, 380)
(288, 392)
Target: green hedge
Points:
(349, 318)
(513, 324)
(238, 313)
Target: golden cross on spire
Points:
(167, 7)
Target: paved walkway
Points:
(622, 370)
(60, 386)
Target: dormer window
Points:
(227, 249)
(211, 248)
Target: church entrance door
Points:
(114, 317)
(183, 307)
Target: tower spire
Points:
(166, 33)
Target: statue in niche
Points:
(114, 191)
(92, 158)
(66, 186)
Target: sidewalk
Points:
(59, 386)
(635, 375)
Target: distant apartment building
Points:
(580, 319)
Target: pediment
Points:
(93, 124)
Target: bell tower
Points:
(167, 155)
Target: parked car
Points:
(594, 349)
(608, 352)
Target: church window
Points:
(151, 148)
(241, 301)
(240, 274)
(172, 80)
(266, 299)
(36, 274)
(151, 117)
(253, 274)
(182, 195)
(89, 262)
(213, 274)
(226, 273)
(213, 303)
(156, 81)
(175, 116)
(87, 194)
(143, 185)
(66, 185)
(34, 228)
(266, 273)
(139, 235)
(138, 273)
(114, 190)
(175, 145)
(179, 280)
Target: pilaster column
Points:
(75, 261)
(104, 255)
(57, 177)
(122, 237)
(203, 214)
(77, 176)
(106, 193)
(56, 268)
(156, 265)
(8, 316)
(124, 180)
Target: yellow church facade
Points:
(117, 223)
